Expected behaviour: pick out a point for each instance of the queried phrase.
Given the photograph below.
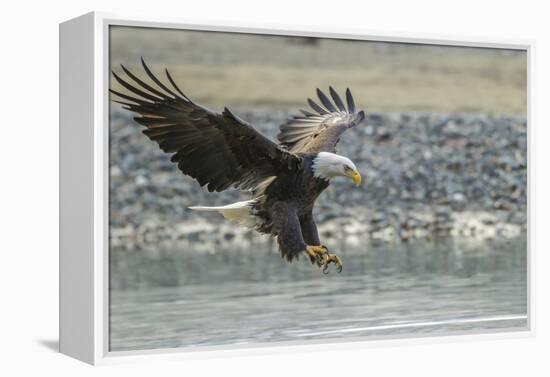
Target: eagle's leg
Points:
(317, 254)
(295, 235)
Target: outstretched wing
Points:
(218, 150)
(320, 131)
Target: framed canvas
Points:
(233, 189)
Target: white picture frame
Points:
(84, 170)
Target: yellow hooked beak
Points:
(356, 177)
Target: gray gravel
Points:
(425, 175)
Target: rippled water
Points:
(181, 298)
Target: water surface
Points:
(180, 298)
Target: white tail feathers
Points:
(239, 212)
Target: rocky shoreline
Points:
(425, 175)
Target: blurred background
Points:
(433, 241)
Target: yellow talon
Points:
(321, 256)
(316, 253)
(328, 258)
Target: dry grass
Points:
(280, 72)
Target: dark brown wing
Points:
(218, 150)
(320, 131)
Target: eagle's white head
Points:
(327, 165)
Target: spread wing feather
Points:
(320, 131)
(219, 150)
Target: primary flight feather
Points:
(220, 151)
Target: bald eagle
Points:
(222, 151)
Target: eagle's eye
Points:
(347, 169)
